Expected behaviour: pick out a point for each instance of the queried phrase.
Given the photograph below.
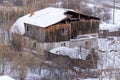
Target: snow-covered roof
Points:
(42, 18)
(47, 16)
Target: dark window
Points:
(63, 44)
(27, 28)
(34, 44)
(64, 31)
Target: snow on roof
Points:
(5, 78)
(42, 18)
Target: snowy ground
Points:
(6, 78)
(109, 25)
(109, 54)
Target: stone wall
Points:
(22, 42)
(88, 41)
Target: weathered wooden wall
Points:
(35, 32)
(53, 33)
(84, 27)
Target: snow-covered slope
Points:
(117, 17)
(110, 58)
(109, 25)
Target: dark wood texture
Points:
(53, 33)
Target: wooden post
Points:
(114, 12)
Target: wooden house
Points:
(57, 25)
(48, 28)
(54, 27)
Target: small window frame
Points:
(64, 31)
(27, 28)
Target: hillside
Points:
(26, 64)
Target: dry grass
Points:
(17, 61)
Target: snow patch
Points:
(71, 52)
(108, 26)
(6, 78)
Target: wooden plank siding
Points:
(84, 27)
(35, 32)
(53, 33)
